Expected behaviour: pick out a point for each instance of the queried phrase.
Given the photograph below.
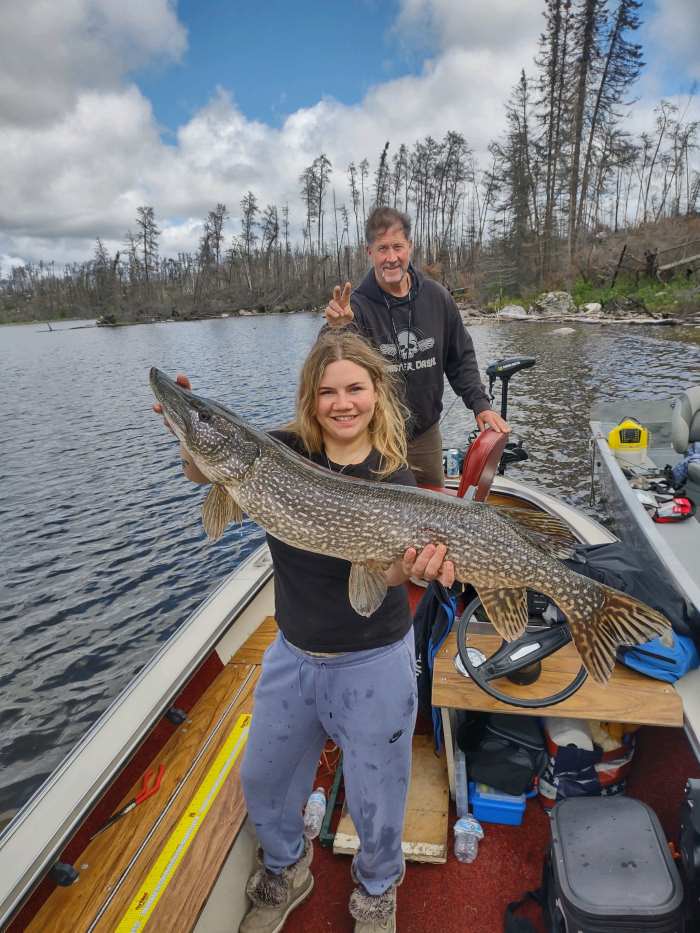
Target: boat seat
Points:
(685, 426)
(481, 463)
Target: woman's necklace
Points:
(331, 468)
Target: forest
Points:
(568, 198)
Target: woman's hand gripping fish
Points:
(372, 524)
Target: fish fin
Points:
(552, 546)
(506, 609)
(218, 510)
(540, 521)
(367, 587)
(617, 620)
(545, 531)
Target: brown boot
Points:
(274, 897)
(373, 913)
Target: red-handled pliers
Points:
(147, 790)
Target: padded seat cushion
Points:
(685, 423)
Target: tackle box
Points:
(610, 869)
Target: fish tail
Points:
(616, 619)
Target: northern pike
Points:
(371, 524)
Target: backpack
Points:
(432, 623)
(508, 754)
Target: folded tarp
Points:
(617, 565)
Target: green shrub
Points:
(654, 295)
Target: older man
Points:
(415, 323)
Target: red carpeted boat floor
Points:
(458, 898)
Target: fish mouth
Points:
(172, 397)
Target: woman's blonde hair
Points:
(387, 428)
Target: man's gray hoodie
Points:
(423, 338)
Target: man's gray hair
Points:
(384, 218)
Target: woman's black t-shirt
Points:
(312, 606)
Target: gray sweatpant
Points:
(366, 702)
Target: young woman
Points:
(330, 672)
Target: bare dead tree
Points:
(146, 238)
(586, 30)
(355, 198)
(381, 178)
(621, 67)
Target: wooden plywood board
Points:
(115, 863)
(425, 826)
(628, 697)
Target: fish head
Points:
(222, 445)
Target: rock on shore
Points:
(559, 307)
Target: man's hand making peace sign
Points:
(338, 311)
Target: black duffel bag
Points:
(505, 752)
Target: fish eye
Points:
(204, 416)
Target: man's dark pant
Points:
(425, 456)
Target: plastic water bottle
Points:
(468, 832)
(461, 789)
(314, 811)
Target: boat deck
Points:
(126, 871)
(178, 862)
(458, 898)
(157, 867)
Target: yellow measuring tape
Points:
(159, 877)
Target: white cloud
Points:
(7, 262)
(104, 158)
(52, 51)
(470, 24)
(81, 150)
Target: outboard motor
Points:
(504, 370)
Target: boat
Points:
(144, 824)
(636, 442)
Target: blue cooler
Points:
(492, 806)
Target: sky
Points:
(106, 105)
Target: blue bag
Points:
(657, 660)
(679, 472)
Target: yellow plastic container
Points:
(628, 435)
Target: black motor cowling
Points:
(509, 366)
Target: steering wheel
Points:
(514, 655)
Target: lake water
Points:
(103, 553)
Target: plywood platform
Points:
(628, 697)
(425, 827)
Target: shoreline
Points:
(468, 313)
